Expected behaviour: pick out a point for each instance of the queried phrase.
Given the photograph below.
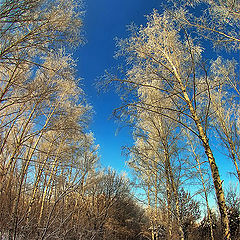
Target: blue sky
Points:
(105, 20)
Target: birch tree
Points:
(155, 159)
(203, 177)
(164, 56)
(219, 24)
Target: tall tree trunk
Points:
(214, 169)
(204, 190)
(208, 151)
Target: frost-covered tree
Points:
(218, 21)
(202, 176)
(164, 58)
(154, 157)
(46, 152)
(226, 123)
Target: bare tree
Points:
(163, 58)
(45, 150)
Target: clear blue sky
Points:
(105, 20)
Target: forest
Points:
(179, 86)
